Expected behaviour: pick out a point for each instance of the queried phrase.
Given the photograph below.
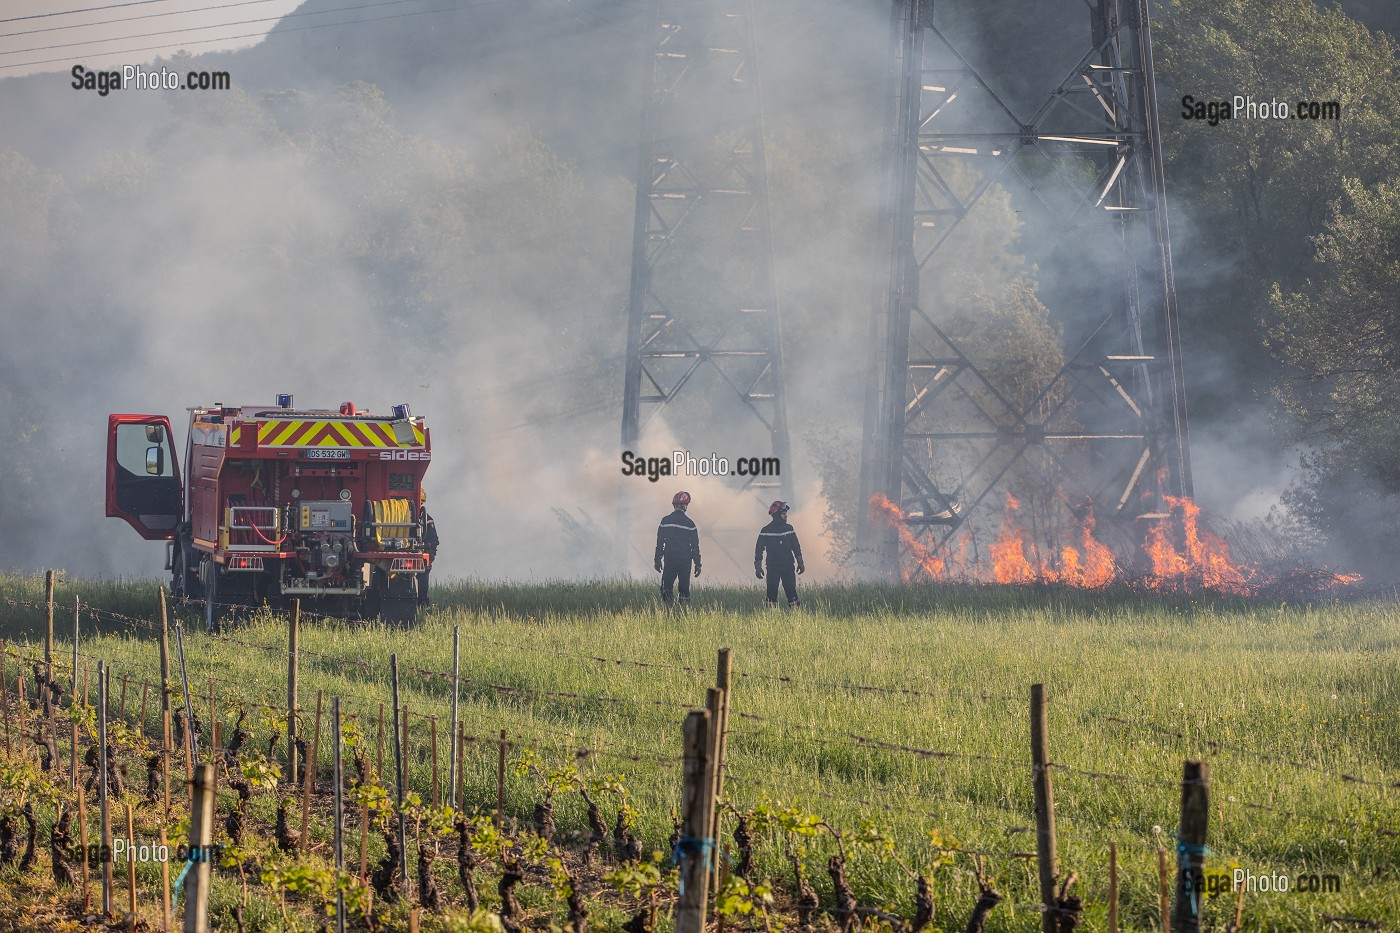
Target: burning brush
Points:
(1178, 555)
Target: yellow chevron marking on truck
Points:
(349, 437)
(304, 438)
(376, 434)
(278, 433)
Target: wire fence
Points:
(820, 735)
(749, 776)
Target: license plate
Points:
(327, 453)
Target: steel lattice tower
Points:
(703, 331)
(1110, 427)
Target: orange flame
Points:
(1201, 562)
(1094, 565)
(1182, 556)
(1009, 563)
(923, 556)
(1090, 565)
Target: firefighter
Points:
(784, 555)
(430, 544)
(677, 547)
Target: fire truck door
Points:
(143, 476)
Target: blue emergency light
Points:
(284, 401)
(402, 413)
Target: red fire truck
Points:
(271, 503)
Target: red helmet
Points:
(778, 506)
(680, 500)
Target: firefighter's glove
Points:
(697, 568)
(658, 565)
(758, 571)
(801, 568)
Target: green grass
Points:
(1280, 700)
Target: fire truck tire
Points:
(398, 603)
(184, 585)
(212, 610)
(396, 611)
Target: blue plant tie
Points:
(1184, 850)
(692, 845)
(192, 858)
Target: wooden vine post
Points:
(130, 868)
(501, 780)
(23, 705)
(1113, 887)
(167, 749)
(191, 745)
(454, 731)
(404, 748)
(200, 848)
(398, 772)
(1164, 897)
(459, 795)
(432, 740)
(145, 700)
(697, 807)
(1047, 859)
(48, 643)
(1191, 847)
(103, 765)
(714, 705)
(73, 704)
(338, 777)
(164, 882)
(77, 610)
(164, 656)
(83, 841)
(50, 726)
(215, 745)
(379, 744)
(293, 623)
(722, 681)
(213, 727)
(4, 696)
(309, 778)
(73, 755)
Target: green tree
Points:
(1248, 195)
(1340, 337)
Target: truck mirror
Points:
(155, 433)
(155, 460)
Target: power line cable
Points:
(259, 35)
(91, 9)
(130, 19)
(242, 22)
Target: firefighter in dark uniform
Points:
(430, 544)
(784, 555)
(677, 547)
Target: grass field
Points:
(1281, 701)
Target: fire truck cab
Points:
(270, 503)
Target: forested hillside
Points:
(440, 207)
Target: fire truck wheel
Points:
(369, 604)
(212, 610)
(180, 585)
(395, 611)
(398, 604)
